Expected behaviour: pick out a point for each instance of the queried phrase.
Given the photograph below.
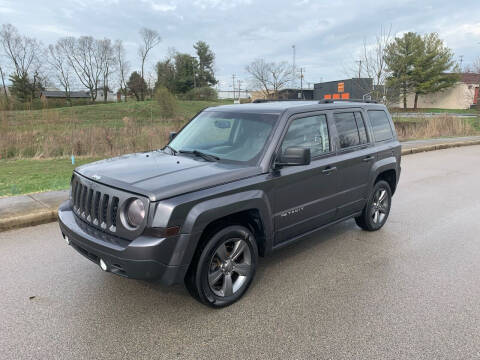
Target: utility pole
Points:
(239, 89)
(359, 68)
(233, 86)
(293, 68)
(461, 61)
(302, 70)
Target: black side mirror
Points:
(172, 135)
(294, 155)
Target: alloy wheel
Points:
(380, 206)
(230, 267)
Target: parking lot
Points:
(410, 290)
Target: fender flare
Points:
(389, 163)
(205, 212)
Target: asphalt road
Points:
(411, 290)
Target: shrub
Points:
(201, 93)
(167, 102)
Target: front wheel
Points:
(224, 267)
(377, 209)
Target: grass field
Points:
(33, 175)
(35, 145)
(435, 111)
(91, 130)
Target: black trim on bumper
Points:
(137, 259)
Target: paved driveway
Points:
(411, 290)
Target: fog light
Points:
(103, 265)
(67, 240)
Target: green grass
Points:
(32, 175)
(436, 110)
(100, 114)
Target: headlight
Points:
(135, 213)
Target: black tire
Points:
(368, 220)
(210, 262)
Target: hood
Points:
(158, 175)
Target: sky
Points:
(328, 35)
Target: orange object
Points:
(327, 96)
(346, 96)
(336, 96)
(341, 87)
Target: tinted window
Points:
(347, 129)
(380, 125)
(309, 132)
(361, 128)
(229, 136)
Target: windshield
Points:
(229, 136)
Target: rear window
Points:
(381, 125)
(347, 129)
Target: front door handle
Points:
(329, 170)
(369, 158)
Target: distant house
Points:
(58, 94)
(463, 95)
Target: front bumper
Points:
(146, 257)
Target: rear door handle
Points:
(329, 170)
(369, 158)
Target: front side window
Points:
(380, 125)
(238, 137)
(347, 130)
(309, 132)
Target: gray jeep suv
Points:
(237, 182)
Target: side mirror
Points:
(172, 135)
(294, 155)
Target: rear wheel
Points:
(377, 209)
(224, 267)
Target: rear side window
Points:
(361, 128)
(347, 129)
(380, 124)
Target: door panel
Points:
(304, 196)
(355, 160)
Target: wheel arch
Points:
(386, 169)
(250, 208)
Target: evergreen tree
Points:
(432, 67)
(400, 57)
(206, 62)
(137, 85)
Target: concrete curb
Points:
(37, 218)
(41, 208)
(419, 149)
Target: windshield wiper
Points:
(174, 152)
(203, 155)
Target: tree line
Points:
(398, 66)
(98, 65)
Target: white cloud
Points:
(220, 4)
(160, 5)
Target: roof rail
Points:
(331, 101)
(275, 100)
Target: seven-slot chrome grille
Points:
(101, 207)
(94, 205)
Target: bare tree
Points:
(123, 67)
(269, 77)
(281, 73)
(371, 64)
(23, 52)
(2, 74)
(150, 39)
(84, 56)
(107, 58)
(58, 62)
